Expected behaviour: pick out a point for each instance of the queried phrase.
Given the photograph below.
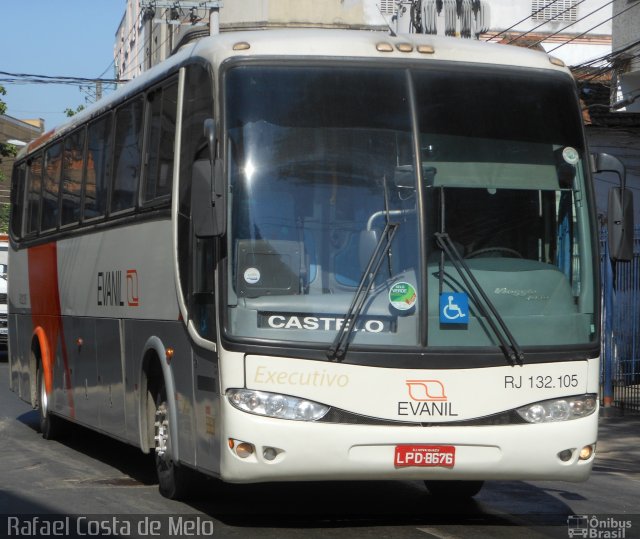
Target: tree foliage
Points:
(3, 105)
(6, 150)
(70, 112)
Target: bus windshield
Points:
(322, 159)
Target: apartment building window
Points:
(560, 10)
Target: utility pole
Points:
(213, 7)
(95, 93)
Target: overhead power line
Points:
(599, 67)
(572, 23)
(594, 27)
(522, 20)
(545, 22)
(30, 78)
(608, 56)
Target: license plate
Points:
(443, 456)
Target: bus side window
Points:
(127, 155)
(97, 168)
(161, 122)
(202, 298)
(51, 187)
(72, 169)
(34, 187)
(196, 280)
(17, 199)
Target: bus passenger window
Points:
(98, 150)
(72, 167)
(51, 187)
(161, 129)
(202, 307)
(17, 199)
(127, 155)
(34, 187)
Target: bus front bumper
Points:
(258, 449)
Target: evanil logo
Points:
(427, 398)
(111, 292)
(426, 390)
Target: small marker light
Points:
(269, 453)
(586, 452)
(169, 354)
(244, 450)
(556, 61)
(384, 47)
(565, 455)
(241, 46)
(404, 47)
(426, 49)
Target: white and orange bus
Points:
(318, 255)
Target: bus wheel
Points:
(49, 425)
(454, 489)
(171, 476)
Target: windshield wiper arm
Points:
(508, 343)
(338, 348)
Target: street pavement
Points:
(619, 443)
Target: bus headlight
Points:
(564, 409)
(276, 405)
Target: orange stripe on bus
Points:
(46, 311)
(45, 357)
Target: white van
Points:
(4, 247)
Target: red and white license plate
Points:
(425, 455)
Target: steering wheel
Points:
(506, 250)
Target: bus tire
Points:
(49, 425)
(172, 478)
(454, 489)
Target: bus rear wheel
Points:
(454, 489)
(49, 425)
(172, 478)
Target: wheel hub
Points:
(161, 428)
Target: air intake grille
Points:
(387, 7)
(560, 10)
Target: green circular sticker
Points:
(402, 296)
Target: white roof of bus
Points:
(320, 43)
(362, 44)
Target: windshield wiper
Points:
(508, 343)
(338, 348)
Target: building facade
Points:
(151, 29)
(626, 41)
(573, 30)
(18, 133)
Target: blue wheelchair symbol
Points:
(454, 308)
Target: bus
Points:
(314, 254)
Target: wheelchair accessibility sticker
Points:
(454, 308)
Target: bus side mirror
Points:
(207, 190)
(619, 211)
(620, 224)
